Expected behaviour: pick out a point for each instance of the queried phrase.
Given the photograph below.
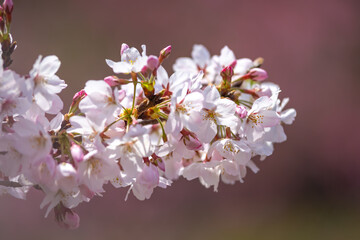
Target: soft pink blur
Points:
(308, 189)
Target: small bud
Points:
(258, 74)
(2, 24)
(233, 64)
(124, 46)
(191, 142)
(77, 153)
(76, 100)
(166, 52)
(111, 81)
(66, 217)
(79, 94)
(8, 6)
(241, 111)
(227, 73)
(152, 62)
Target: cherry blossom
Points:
(207, 121)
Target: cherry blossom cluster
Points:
(139, 129)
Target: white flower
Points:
(96, 169)
(131, 60)
(46, 84)
(216, 112)
(100, 99)
(200, 60)
(12, 100)
(259, 117)
(185, 111)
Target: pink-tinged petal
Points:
(210, 177)
(80, 125)
(200, 55)
(56, 105)
(42, 101)
(241, 111)
(49, 66)
(77, 153)
(211, 95)
(124, 47)
(172, 168)
(206, 130)
(230, 167)
(261, 103)
(269, 118)
(149, 176)
(55, 123)
(152, 62)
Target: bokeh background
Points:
(308, 189)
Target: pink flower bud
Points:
(241, 111)
(8, 6)
(227, 72)
(71, 220)
(149, 176)
(77, 153)
(66, 218)
(111, 81)
(76, 100)
(233, 64)
(258, 74)
(166, 51)
(2, 24)
(153, 62)
(124, 46)
(79, 95)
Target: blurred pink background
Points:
(308, 189)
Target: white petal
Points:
(226, 56)
(288, 116)
(200, 55)
(185, 65)
(49, 66)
